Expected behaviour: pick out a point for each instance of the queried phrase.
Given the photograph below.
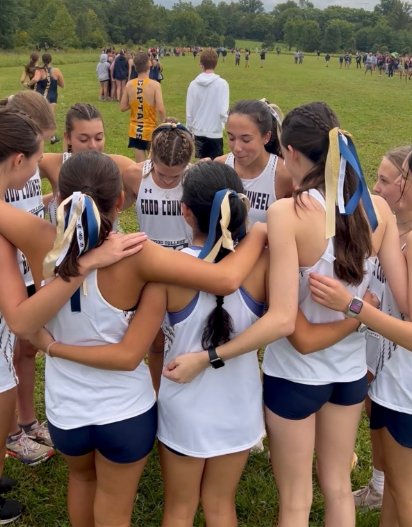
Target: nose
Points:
(237, 147)
(376, 188)
(92, 145)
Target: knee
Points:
(217, 506)
(181, 511)
(84, 476)
(296, 503)
(336, 487)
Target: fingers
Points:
(319, 286)
(170, 365)
(326, 280)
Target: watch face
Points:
(356, 306)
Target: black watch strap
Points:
(214, 359)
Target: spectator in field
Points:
(103, 74)
(120, 75)
(278, 51)
(301, 57)
(224, 53)
(391, 67)
(327, 59)
(369, 64)
(262, 57)
(365, 58)
(247, 56)
(358, 61)
(341, 61)
(318, 53)
(296, 56)
(237, 58)
(380, 64)
(207, 104)
(374, 62)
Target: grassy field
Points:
(372, 109)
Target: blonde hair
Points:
(34, 105)
(397, 156)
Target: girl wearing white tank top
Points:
(391, 412)
(252, 131)
(216, 433)
(316, 397)
(156, 187)
(84, 131)
(94, 439)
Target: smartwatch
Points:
(214, 359)
(354, 307)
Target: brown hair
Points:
(306, 129)
(171, 146)
(141, 62)
(34, 105)
(96, 175)
(46, 59)
(18, 134)
(30, 68)
(208, 58)
(397, 156)
(80, 111)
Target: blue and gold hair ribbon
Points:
(221, 208)
(168, 126)
(342, 151)
(67, 225)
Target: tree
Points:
(332, 39)
(62, 29)
(346, 29)
(8, 22)
(230, 42)
(384, 7)
(309, 35)
(400, 15)
(132, 20)
(213, 40)
(279, 8)
(262, 25)
(188, 26)
(89, 30)
(211, 17)
(251, 6)
(291, 32)
(180, 6)
(364, 39)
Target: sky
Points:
(269, 4)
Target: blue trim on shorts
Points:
(295, 401)
(122, 442)
(398, 424)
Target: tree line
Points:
(95, 23)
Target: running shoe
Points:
(6, 484)
(39, 432)
(54, 140)
(368, 497)
(10, 510)
(26, 450)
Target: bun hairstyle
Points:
(172, 144)
(97, 176)
(18, 134)
(34, 105)
(259, 112)
(306, 129)
(200, 185)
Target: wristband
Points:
(49, 346)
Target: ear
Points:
(294, 153)
(17, 160)
(267, 138)
(188, 216)
(120, 201)
(67, 139)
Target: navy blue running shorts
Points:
(139, 144)
(293, 400)
(126, 441)
(398, 424)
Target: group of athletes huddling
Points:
(275, 245)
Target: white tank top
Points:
(220, 411)
(260, 190)
(28, 199)
(392, 385)
(53, 205)
(78, 395)
(8, 376)
(376, 286)
(343, 362)
(159, 213)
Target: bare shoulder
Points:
(281, 206)
(383, 208)
(122, 162)
(50, 164)
(222, 159)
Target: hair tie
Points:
(220, 301)
(342, 151)
(168, 126)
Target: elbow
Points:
(302, 346)
(287, 326)
(21, 331)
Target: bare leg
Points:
(139, 155)
(182, 478)
(389, 516)
(82, 489)
(26, 371)
(116, 491)
(291, 444)
(219, 484)
(156, 358)
(336, 429)
(7, 408)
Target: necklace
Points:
(406, 232)
(398, 224)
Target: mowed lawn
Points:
(374, 110)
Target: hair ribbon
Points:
(221, 207)
(67, 226)
(178, 126)
(342, 151)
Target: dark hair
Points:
(80, 111)
(259, 113)
(141, 62)
(208, 58)
(96, 175)
(34, 105)
(18, 134)
(171, 146)
(30, 68)
(46, 59)
(306, 129)
(200, 184)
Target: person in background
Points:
(358, 61)
(30, 70)
(207, 104)
(103, 74)
(237, 58)
(369, 64)
(327, 59)
(120, 74)
(247, 56)
(262, 57)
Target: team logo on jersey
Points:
(146, 190)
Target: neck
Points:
(208, 71)
(3, 183)
(143, 75)
(199, 239)
(404, 221)
(258, 165)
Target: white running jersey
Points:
(220, 411)
(8, 376)
(343, 362)
(28, 199)
(78, 395)
(392, 386)
(376, 286)
(260, 190)
(159, 213)
(53, 205)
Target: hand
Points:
(261, 228)
(41, 339)
(116, 247)
(372, 299)
(204, 159)
(329, 292)
(185, 368)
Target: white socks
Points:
(378, 480)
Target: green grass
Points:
(372, 109)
